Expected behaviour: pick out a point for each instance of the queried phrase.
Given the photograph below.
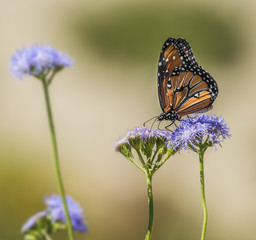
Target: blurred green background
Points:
(112, 88)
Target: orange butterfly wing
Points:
(169, 59)
(183, 86)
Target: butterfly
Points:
(184, 87)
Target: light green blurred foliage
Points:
(134, 33)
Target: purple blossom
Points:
(32, 221)
(143, 139)
(145, 134)
(195, 131)
(56, 212)
(137, 136)
(36, 59)
(120, 143)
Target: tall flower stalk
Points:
(56, 155)
(201, 161)
(43, 62)
(198, 134)
(152, 152)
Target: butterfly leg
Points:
(167, 127)
(158, 125)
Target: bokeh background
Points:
(112, 88)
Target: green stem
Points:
(150, 206)
(201, 159)
(46, 236)
(56, 158)
(136, 164)
(153, 158)
(140, 157)
(160, 163)
(50, 78)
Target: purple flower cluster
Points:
(36, 59)
(195, 131)
(151, 146)
(55, 213)
(143, 135)
(32, 221)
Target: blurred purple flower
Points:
(35, 59)
(195, 131)
(32, 221)
(56, 212)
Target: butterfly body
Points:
(184, 87)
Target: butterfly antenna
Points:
(153, 123)
(144, 124)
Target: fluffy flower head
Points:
(145, 134)
(137, 136)
(192, 132)
(120, 143)
(56, 211)
(36, 59)
(149, 142)
(32, 221)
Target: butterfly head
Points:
(171, 116)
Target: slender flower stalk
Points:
(56, 157)
(201, 161)
(197, 134)
(43, 62)
(151, 148)
(47, 237)
(150, 206)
